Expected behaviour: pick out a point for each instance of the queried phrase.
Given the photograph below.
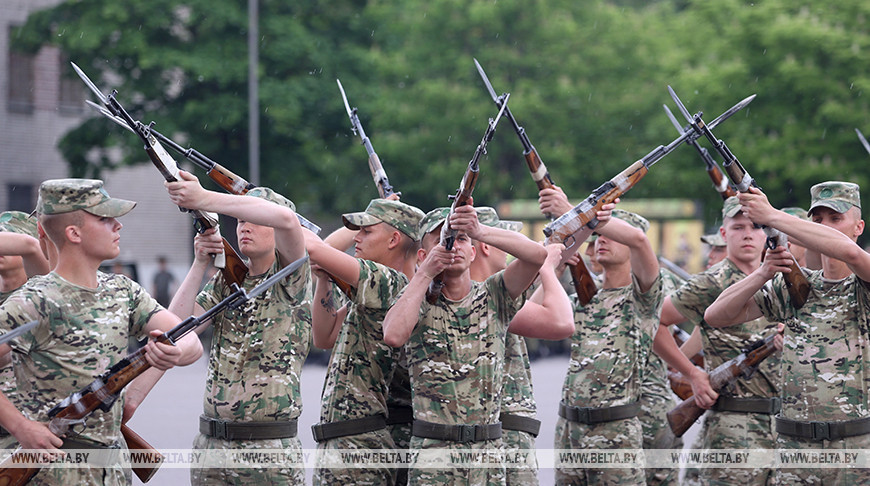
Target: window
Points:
(21, 80)
(20, 196)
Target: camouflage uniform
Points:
(731, 430)
(518, 399)
(360, 371)
(22, 223)
(399, 399)
(609, 353)
(456, 360)
(825, 355)
(254, 367)
(81, 333)
(656, 400)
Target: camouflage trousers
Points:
(520, 474)
(657, 433)
(619, 434)
(290, 473)
(734, 430)
(116, 471)
(823, 476)
(374, 476)
(401, 434)
(450, 476)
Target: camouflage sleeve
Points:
(379, 285)
(693, 297)
(505, 306)
(142, 307)
(209, 296)
(648, 303)
(19, 309)
(295, 289)
(772, 299)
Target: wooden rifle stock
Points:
(153, 457)
(720, 183)
(687, 412)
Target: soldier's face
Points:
(464, 253)
(742, 239)
(716, 255)
(255, 240)
(101, 236)
(609, 252)
(848, 223)
(371, 242)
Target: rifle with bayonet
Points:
(223, 177)
(463, 195)
(576, 225)
(863, 140)
(584, 284)
(720, 183)
(102, 393)
(743, 366)
(795, 280)
(382, 182)
(231, 264)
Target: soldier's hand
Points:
(775, 261)
(36, 435)
(161, 355)
(206, 244)
(186, 192)
(436, 261)
(553, 201)
(777, 340)
(464, 220)
(703, 392)
(755, 206)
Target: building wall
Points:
(28, 154)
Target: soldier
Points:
(252, 392)
(354, 402)
(742, 417)
(456, 346)
(717, 251)
(799, 252)
(518, 408)
(824, 387)
(85, 318)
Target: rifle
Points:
(743, 366)
(106, 388)
(223, 177)
(720, 183)
(584, 284)
(382, 182)
(578, 223)
(795, 280)
(462, 196)
(675, 269)
(231, 264)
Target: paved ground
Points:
(168, 418)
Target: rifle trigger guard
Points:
(570, 239)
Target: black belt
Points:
(586, 415)
(823, 430)
(769, 406)
(456, 433)
(331, 430)
(400, 415)
(519, 423)
(222, 429)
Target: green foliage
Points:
(587, 81)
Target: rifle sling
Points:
(589, 415)
(222, 429)
(519, 423)
(822, 430)
(457, 433)
(330, 430)
(768, 406)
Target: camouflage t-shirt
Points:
(517, 396)
(7, 376)
(81, 333)
(611, 345)
(456, 355)
(361, 365)
(723, 344)
(825, 347)
(257, 351)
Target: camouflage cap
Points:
(839, 196)
(432, 219)
(799, 212)
(270, 195)
(403, 217)
(633, 219)
(730, 207)
(59, 196)
(18, 222)
(713, 239)
(487, 216)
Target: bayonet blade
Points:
(344, 98)
(90, 83)
(110, 116)
(673, 120)
(486, 81)
(863, 140)
(734, 109)
(680, 105)
(504, 102)
(5, 338)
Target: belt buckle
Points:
(821, 430)
(467, 433)
(583, 415)
(220, 429)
